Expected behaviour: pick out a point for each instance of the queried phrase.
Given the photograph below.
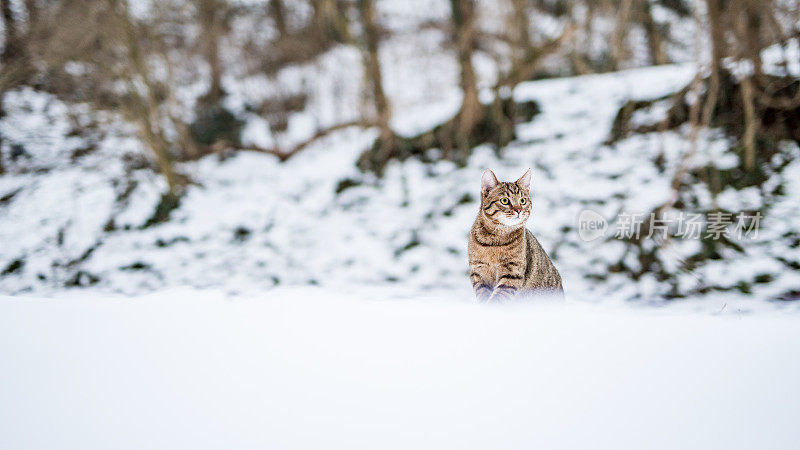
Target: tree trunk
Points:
(618, 49)
(17, 67)
(655, 40)
(717, 36)
(753, 44)
(520, 26)
(747, 26)
(471, 112)
(525, 57)
(522, 54)
(33, 12)
(373, 69)
(144, 107)
(14, 50)
(209, 14)
(330, 22)
(718, 44)
(751, 123)
(581, 63)
(278, 12)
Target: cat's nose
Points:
(518, 209)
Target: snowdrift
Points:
(308, 368)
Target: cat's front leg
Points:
(503, 292)
(482, 289)
(509, 282)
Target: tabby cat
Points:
(505, 258)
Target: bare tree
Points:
(655, 37)
(115, 50)
(618, 49)
(372, 67)
(278, 12)
(471, 111)
(14, 48)
(330, 21)
(717, 38)
(520, 25)
(211, 15)
(15, 58)
(32, 8)
(746, 29)
(526, 57)
(143, 102)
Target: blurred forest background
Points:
(246, 144)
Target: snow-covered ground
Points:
(253, 223)
(74, 202)
(300, 368)
(276, 310)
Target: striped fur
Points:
(505, 258)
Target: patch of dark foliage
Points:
(18, 151)
(763, 278)
(790, 296)
(465, 199)
(79, 277)
(82, 151)
(161, 243)
(5, 199)
(110, 226)
(135, 161)
(13, 267)
(495, 127)
(679, 7)
(169, 202)
(412, 243)
(138, 265)
(213, 124)
(241, 234)
(347, 183)
(82, 278)
(276, 110)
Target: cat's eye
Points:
(504, 201)
(522, 201)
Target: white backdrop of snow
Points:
(316, 368)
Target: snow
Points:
(318, 368)
(249, 223)
(253, 223)
(277, 310)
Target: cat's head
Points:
(506, 203)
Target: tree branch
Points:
(283, 155)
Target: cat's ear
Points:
(488, 181)
(525, 180)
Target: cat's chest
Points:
(492, 271)
(494, 260)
